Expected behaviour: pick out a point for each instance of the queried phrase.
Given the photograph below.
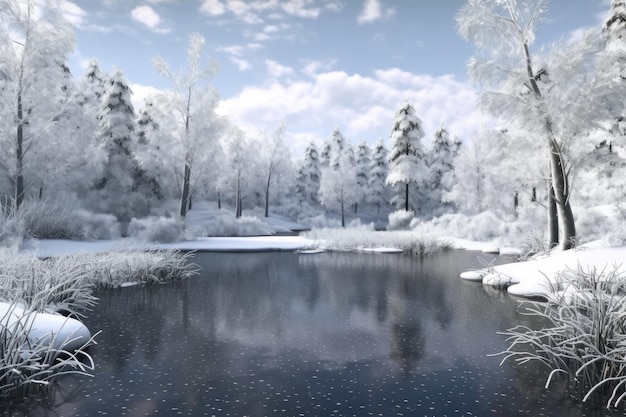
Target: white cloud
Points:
(213, 7)
(362, 107)
(146, 16)
(300, 8)
(72, 13)
(276, 70)
(140, 93)
(373, 11)
(242, 64)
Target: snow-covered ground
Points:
(56, 247)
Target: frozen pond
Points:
(281, 334)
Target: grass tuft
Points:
(585, 335)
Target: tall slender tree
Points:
(363, 163)
(504, 32)
(194, 104)
(379, 168)
(407, 164)
(34, 46)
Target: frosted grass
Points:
(30, 286)
(359, 238)
(27, 364)
(585, 333)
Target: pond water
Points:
(334, 334)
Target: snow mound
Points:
(45, 329)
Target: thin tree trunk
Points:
(356, 207)
(553, 220)
(267, 196)
(19, 155)
(184, 197)
(406, 197)
(219, 200)
(343, 221)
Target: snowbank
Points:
(57, 247)
(44, 329)
(537, 277)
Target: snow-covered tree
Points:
(238, 177)
(379, 169)
(441, 157)
(338, 188)
(193, 104)
(548, 96)
(275, 163)
(407, 164)
(123, 188)
(34, 46)
(363, 164)
(309, 175)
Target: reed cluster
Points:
(584, 336)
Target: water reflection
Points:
(331, 334)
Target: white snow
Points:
(56, 247)
(46, 329)
(534, 277)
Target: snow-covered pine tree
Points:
(379, 169)
(337, 146)
(441, 157)
(407, 164)
(120, 188)
(363, 163)
(311, 173)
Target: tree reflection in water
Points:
(283, 334)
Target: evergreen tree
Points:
(311, 174)
(379, 169)
(407, 164)
(337, 146)
(441, 159)
(363, 163)
(119, 189)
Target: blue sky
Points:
(311, 64)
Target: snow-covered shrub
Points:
(94, 226)
(400, 220)
(228, 225)
(365, 237)
(602, 222)
(321, 221)
(157, 229)
(45, 219)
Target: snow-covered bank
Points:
(45, 329)
(57, 247)
(538, 277)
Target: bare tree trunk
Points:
(560, 185)
(219, 200)
(267, 196)
(406, 197)
(553, 220)
(343, 220)
(19, 155)
(184, 197)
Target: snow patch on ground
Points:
(537, 277)
(57, 247)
